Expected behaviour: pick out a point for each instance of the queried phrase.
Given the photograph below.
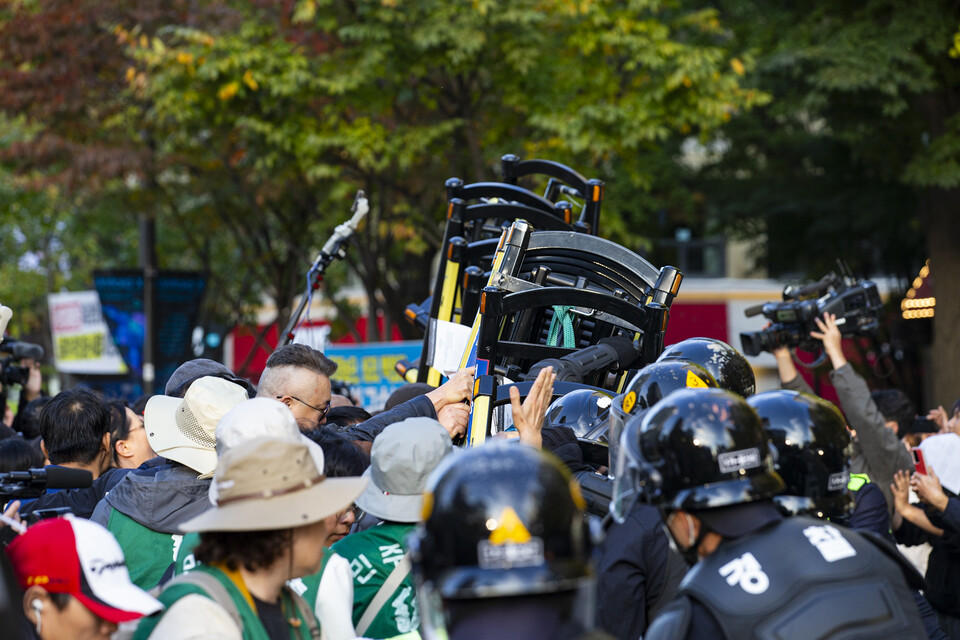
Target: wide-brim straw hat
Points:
(269, 483)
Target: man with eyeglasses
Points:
(299, 376)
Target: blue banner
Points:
(369, 368)
(177, 298)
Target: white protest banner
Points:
(81, 340)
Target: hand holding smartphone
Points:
(918, 462)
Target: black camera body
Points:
(856, 304)
(10, 371)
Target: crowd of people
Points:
(221, 509)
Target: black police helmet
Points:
(728, 366)
(813, 451)
(648, 387)
(659, 379)
(696, 449)
(586, 411)
(501, 520)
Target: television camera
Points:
(855, 302)
(10, 371)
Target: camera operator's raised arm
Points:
(831, 338)
(878, 452)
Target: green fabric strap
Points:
(562, 321)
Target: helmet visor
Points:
(627, 482)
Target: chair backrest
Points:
(590, 191)
(610, 290)
(483, 223)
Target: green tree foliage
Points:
(47, 244)
(857, 156)
(244, 127)
(276, 121)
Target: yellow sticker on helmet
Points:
(427, 506)
(577, 495)
(509, 528)
(695, 382)
(629, 402)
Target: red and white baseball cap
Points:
(83, 559)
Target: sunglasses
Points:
(322, 412)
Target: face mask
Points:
(689, 554)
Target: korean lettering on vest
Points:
(829, 542)
(405, 613)
(391, 554)
(362, 570)
(746, 572)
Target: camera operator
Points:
(877, 453)
(30, 390)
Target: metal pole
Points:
(148, 262)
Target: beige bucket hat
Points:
(261, 418)
(269, 483)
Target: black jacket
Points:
(419, 407)
(943, 567)
(638, 574)
(82, 502)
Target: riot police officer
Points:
(504, 551)
(812, 450)
(701, 456)
(649, 386)
(641, 573)
(727, 365)
(812, 454)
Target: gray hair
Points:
(292, 356)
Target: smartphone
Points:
(918, 462)
(42, 514)
(924, 425)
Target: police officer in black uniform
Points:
(728, 366)
(812, 450)
(504, 551)
(640, 572)
(701, 456)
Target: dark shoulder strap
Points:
(910, 573)
(305, 612)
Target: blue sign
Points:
(369, 368)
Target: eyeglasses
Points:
(322, 412)
(352, 509)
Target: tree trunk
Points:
(943, 243)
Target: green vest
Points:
(185, 560)
(148, 553)
(372, 555)
(252, 627)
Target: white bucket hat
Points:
(183, 429)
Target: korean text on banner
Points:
(81, 341)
